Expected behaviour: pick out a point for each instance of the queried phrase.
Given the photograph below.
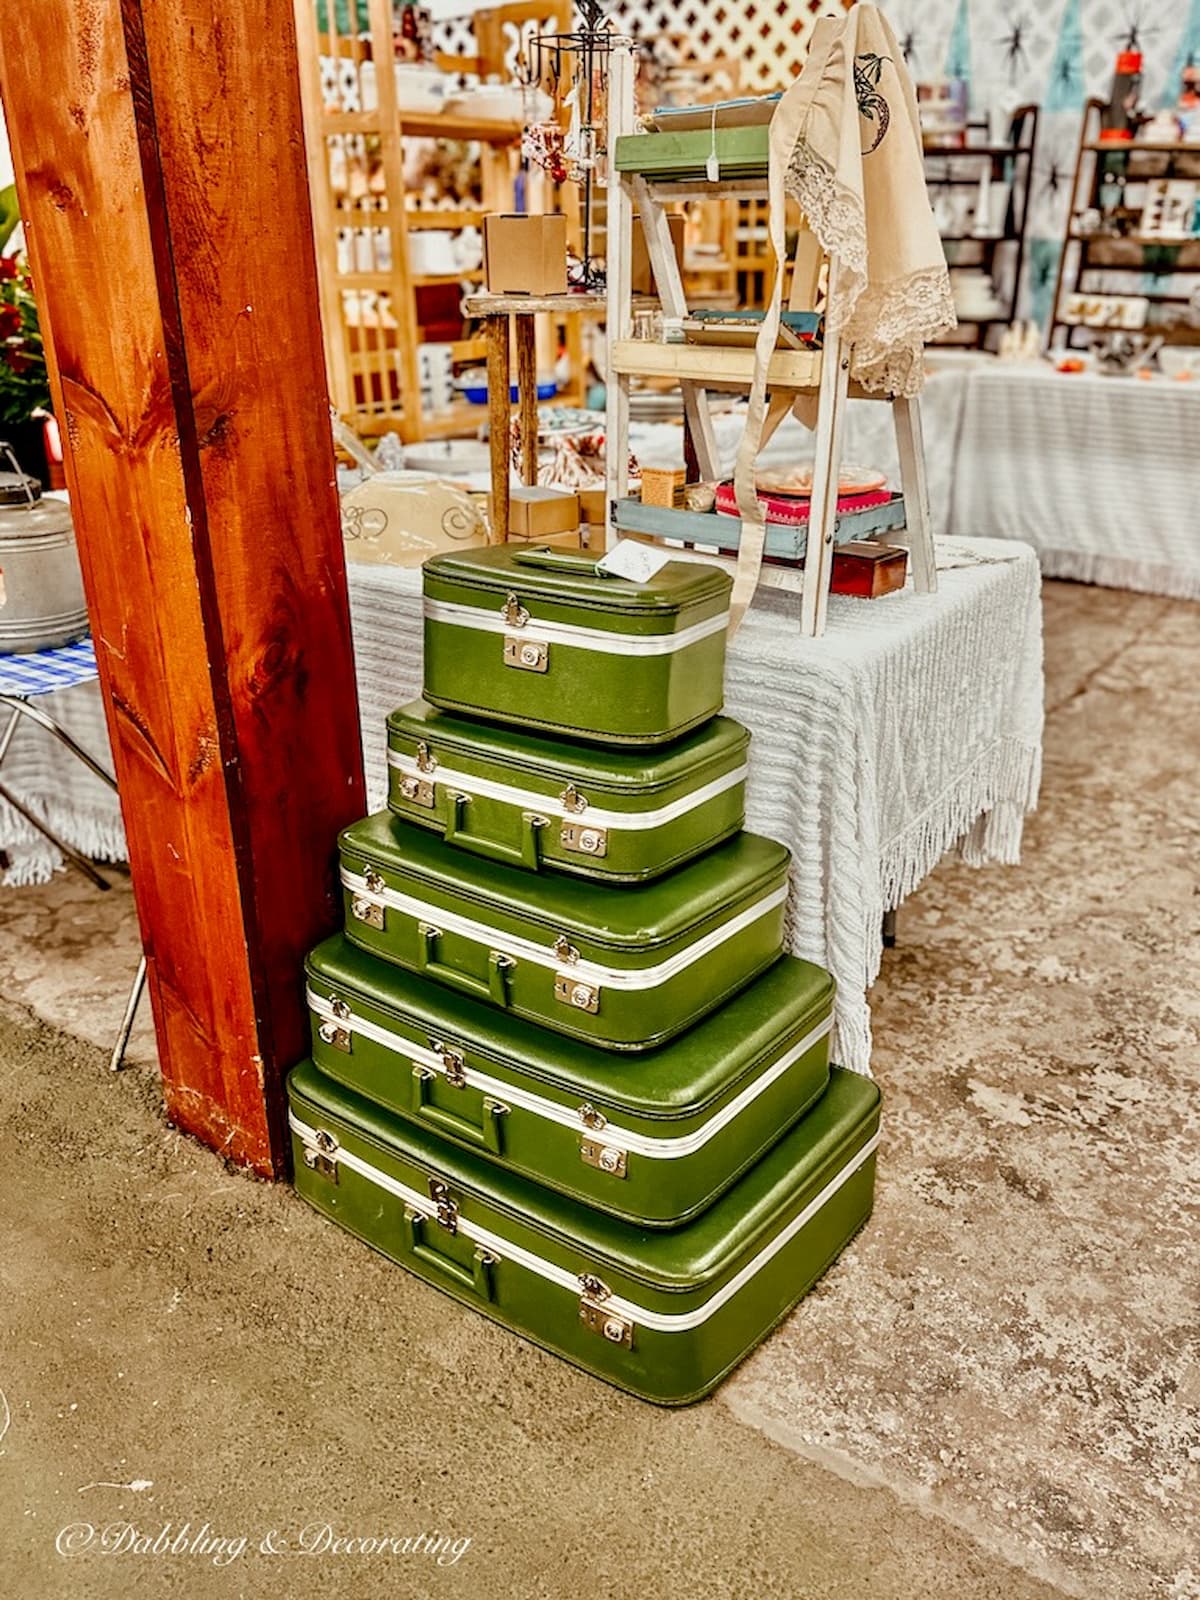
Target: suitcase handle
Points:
(475, 1279)
(494, 987)
(527, 854)
(556, 561)
(485, 1134)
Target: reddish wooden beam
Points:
(160, 161)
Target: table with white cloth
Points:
(1100, 475)
(912, 726)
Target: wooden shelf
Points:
(714, 366)
(461, 419)
(449, 221)
(433, 280)
(445, 125)
(526, 305)
(1124, 147)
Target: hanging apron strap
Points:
(787, 124)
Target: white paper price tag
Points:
(637, 562)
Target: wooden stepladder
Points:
(649, 171)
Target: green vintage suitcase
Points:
(665, 1314)
(541, 639)
(654, 1141)
(626, 966)
(594, 810)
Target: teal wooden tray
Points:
(724, 533)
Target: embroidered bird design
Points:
(868, 69)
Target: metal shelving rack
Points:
(1001, 254)
(1138, 255)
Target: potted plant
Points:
(24, 387)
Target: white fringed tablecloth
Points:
(913, 725)
(1100, 475)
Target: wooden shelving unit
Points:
(372, 303)
(1118, 249)
(1001, 255)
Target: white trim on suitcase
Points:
(574, 633)
(505, 1250)
(613, 1134)
(543, 955)
(552, 806)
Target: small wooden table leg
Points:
(527, 411)
(499, 411)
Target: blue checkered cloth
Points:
(48, 670)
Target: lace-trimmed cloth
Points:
(845, 142)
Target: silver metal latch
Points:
(591, 1118)
(571, 991)
(333, 1034)
(514, 613)
(321, 1155)
(564, 950)
(583, 839)
(571, 799)
(365, 909)
(531, 655)
(447, 1209)
(454, 1063)
(426, 760)
(604, 1157)
(419, 790)
(599, 1317)
(329, 1030)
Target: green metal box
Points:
(624, 966)
(663, 1314)
(653, 1141)
(542, 639)
(597, 811)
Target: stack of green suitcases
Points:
(561, 1066)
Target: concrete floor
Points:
(180, 1345)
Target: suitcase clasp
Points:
(604, 1157)
(572, 992)
(321, 1155)
(419, 790)
(363, 907)
(447, 1209)
(514, 613)
(571, 799)
(334, 1035)
(530, 655)
(454, 1064)
(584, 841)
(426, 760)
(599, 1317)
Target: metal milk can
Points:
(41, 587)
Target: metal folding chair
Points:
(24, 679)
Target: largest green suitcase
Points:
(542, 639)
(625, 966)
(654, 1140)
(663, 1314)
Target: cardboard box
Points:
(593, 506)
(642, 276)
(525, 255)
(663, 486)
(538, 513)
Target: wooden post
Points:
(160, 162)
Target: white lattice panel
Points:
(766, 40)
